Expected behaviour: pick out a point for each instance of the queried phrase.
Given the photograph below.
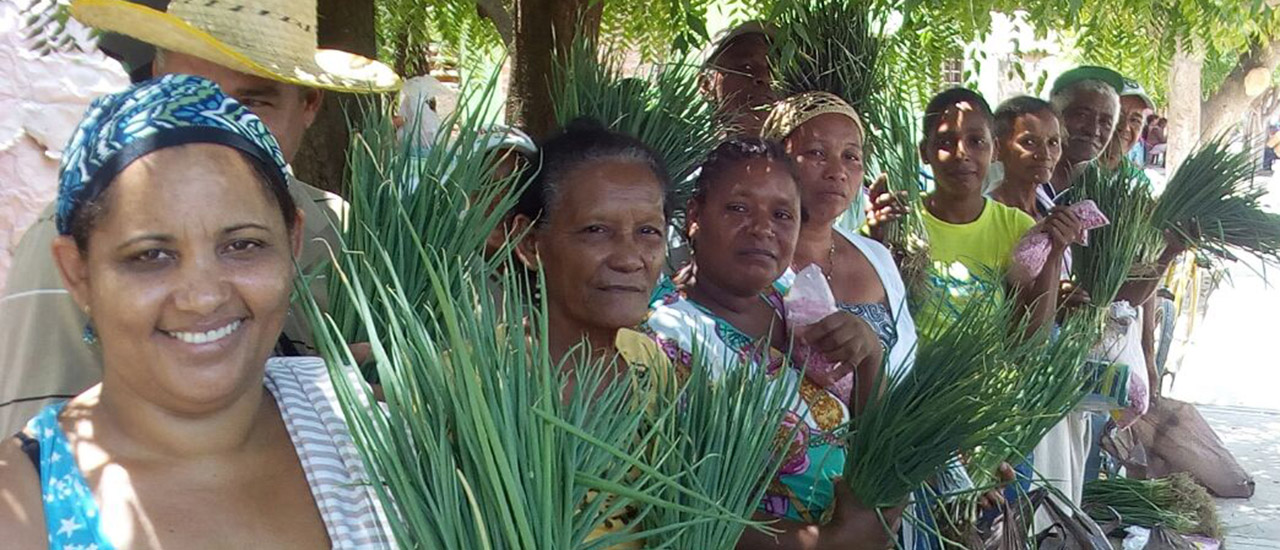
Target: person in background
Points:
(1135, 107)
(1272, 145)
(43, 356)
(416, 116)
(1159, 140)
(178, 239)
(514, 151)
(738, 78)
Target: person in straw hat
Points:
(265, 56)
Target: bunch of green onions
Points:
(665, 108)
(829, 46)
(956, 399)
(891, 150)
(1107, 262)
(1213, 203)
(486, 441)
(1176, 502)
(479, 444)
(722, 443)
(409, 198)
(1047, 382)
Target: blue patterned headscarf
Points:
(165, 112)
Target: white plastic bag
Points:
(1122, 343)
(808, 301)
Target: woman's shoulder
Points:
(21, 508)
(1013, 218)
(675, 315)
(876, 252)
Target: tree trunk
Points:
(542, 28)
(1184, 104)
(322, 161)
(1230, 103)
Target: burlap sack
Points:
(1173, 437)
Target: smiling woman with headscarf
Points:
(178, 238)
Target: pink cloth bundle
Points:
(1031, 253)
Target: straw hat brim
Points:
(327, 69)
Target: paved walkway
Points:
(1231, 369)
(1253, 436)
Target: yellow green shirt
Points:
(967, 257)
(984, 245)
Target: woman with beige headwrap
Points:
(824, 137)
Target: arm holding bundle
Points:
(852, 527)
(1039, 296)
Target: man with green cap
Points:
(1088, 100)
(1135, 107)
(1103, 113)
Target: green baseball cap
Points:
(1123, 86)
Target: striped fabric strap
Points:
(339, 484)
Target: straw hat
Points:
(792, 112)
(273, 39)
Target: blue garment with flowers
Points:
(70, 513)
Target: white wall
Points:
(1012, 41)
(41, 101)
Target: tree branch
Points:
(495, 11)
(1228, 104)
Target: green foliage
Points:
(656, 29)
(410, 28)
(1139, 37)
(409, 202)
(666, 110)
(413, 35)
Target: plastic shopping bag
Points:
(808, 301)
